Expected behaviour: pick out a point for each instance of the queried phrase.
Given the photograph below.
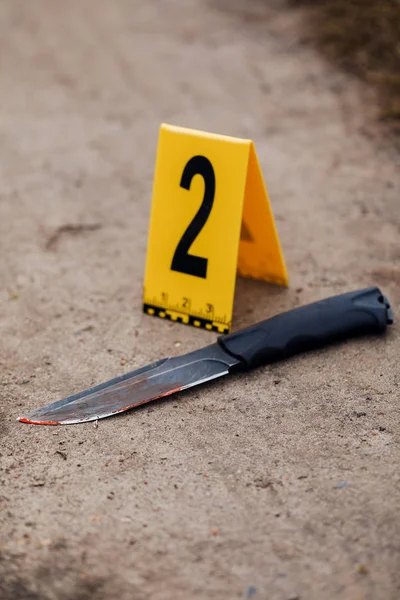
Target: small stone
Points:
(341, 484)
(362, 569)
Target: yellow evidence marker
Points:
(210, 218)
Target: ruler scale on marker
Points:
(193, 318)
(210, 219)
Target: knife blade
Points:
(301, 329)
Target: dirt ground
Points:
(280, 484)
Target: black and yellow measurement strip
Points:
(173, 313)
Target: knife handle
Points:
(311, 326)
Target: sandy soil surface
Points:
(281, 484)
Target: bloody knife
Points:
(308, 327)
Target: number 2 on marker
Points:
(205, 185)
(183, 262)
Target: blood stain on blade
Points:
(142, 392)
(158, 395)
(153, 392)
(104, 403)
(32, 422)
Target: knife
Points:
(305, 328)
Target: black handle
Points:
(311, 326)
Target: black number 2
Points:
(182, 260)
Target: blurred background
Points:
(283, 484)
(362, 37)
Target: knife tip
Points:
(33, 422)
